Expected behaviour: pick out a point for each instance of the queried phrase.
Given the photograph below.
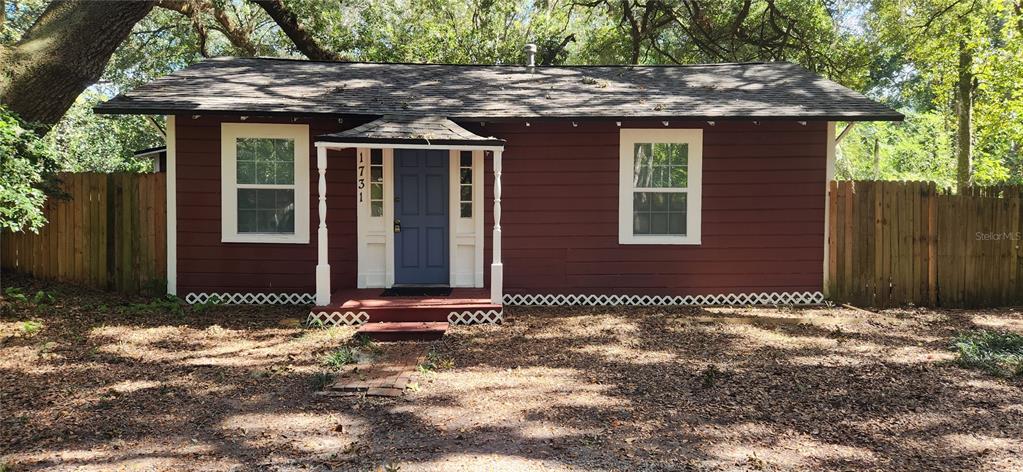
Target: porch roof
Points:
(410, 130)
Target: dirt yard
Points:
(93, 382)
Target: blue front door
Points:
(421, 214)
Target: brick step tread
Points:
(404, 330)
(403, 326)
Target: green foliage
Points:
(15, 294)
(167, 304)
(918, 149)
(24, 158)
(30, 328)
(999, 353)
(43, 298)
(339, 358)
(85, 142)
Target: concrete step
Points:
(404, 331)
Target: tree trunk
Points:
(288, 22)
(63, 53)
(964, 108)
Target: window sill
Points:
(265, 239)
(659, 240)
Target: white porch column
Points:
(322, 266)
(496, 267)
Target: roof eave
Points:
(891, 116)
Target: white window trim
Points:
(627, 140)
(229, 133)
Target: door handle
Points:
(397, 225)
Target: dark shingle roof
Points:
(403, 129)
(470, 92)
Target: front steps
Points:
(404, 331)
(367, 306)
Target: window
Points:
(376, 182)
(264, 183)
(659, 186)
(465, 184)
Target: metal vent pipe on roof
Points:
(530, 55)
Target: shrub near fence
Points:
(898, 243)
(110, 233)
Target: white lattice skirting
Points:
(251, 298)
(335, 318)
(774, 298)
(476, 317)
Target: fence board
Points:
(895, 243)
(109, 233)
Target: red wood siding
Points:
(206, 265)
(763, 214)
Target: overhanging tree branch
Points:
(288, 22)
(63, 53)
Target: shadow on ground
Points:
(105, 385)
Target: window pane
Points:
(266, 211)
(376, 191)
(677, 223)
(466, 210)
(465, 159)
(285, 150)
(660, 201)
(642, 177)
(376, 174)
(662, 154)
(678, 201)
(246, 149)
(376, 208)
(679, 177)
(641, 223)
(376, 157)
(285, 173)
(265, 172)
(246, 172)
(642, 153)
(466, 193)
(248, 199)
(465, 176)
(247, 221)
(680, 154)
(660, 179)
(658, 223)
(641, 201)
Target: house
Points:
(157, 156)
(294, 181)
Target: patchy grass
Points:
(30, 327)
(994, 351)
(435, 361)
(340, 358)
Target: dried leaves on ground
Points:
(94, 381)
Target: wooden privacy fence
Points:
(898, 243)
(110, 233)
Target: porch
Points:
(419, 221)
(370, 305)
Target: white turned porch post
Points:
(322, 266)
(496, 267)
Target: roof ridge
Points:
(566, 66)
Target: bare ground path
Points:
(102, 384)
